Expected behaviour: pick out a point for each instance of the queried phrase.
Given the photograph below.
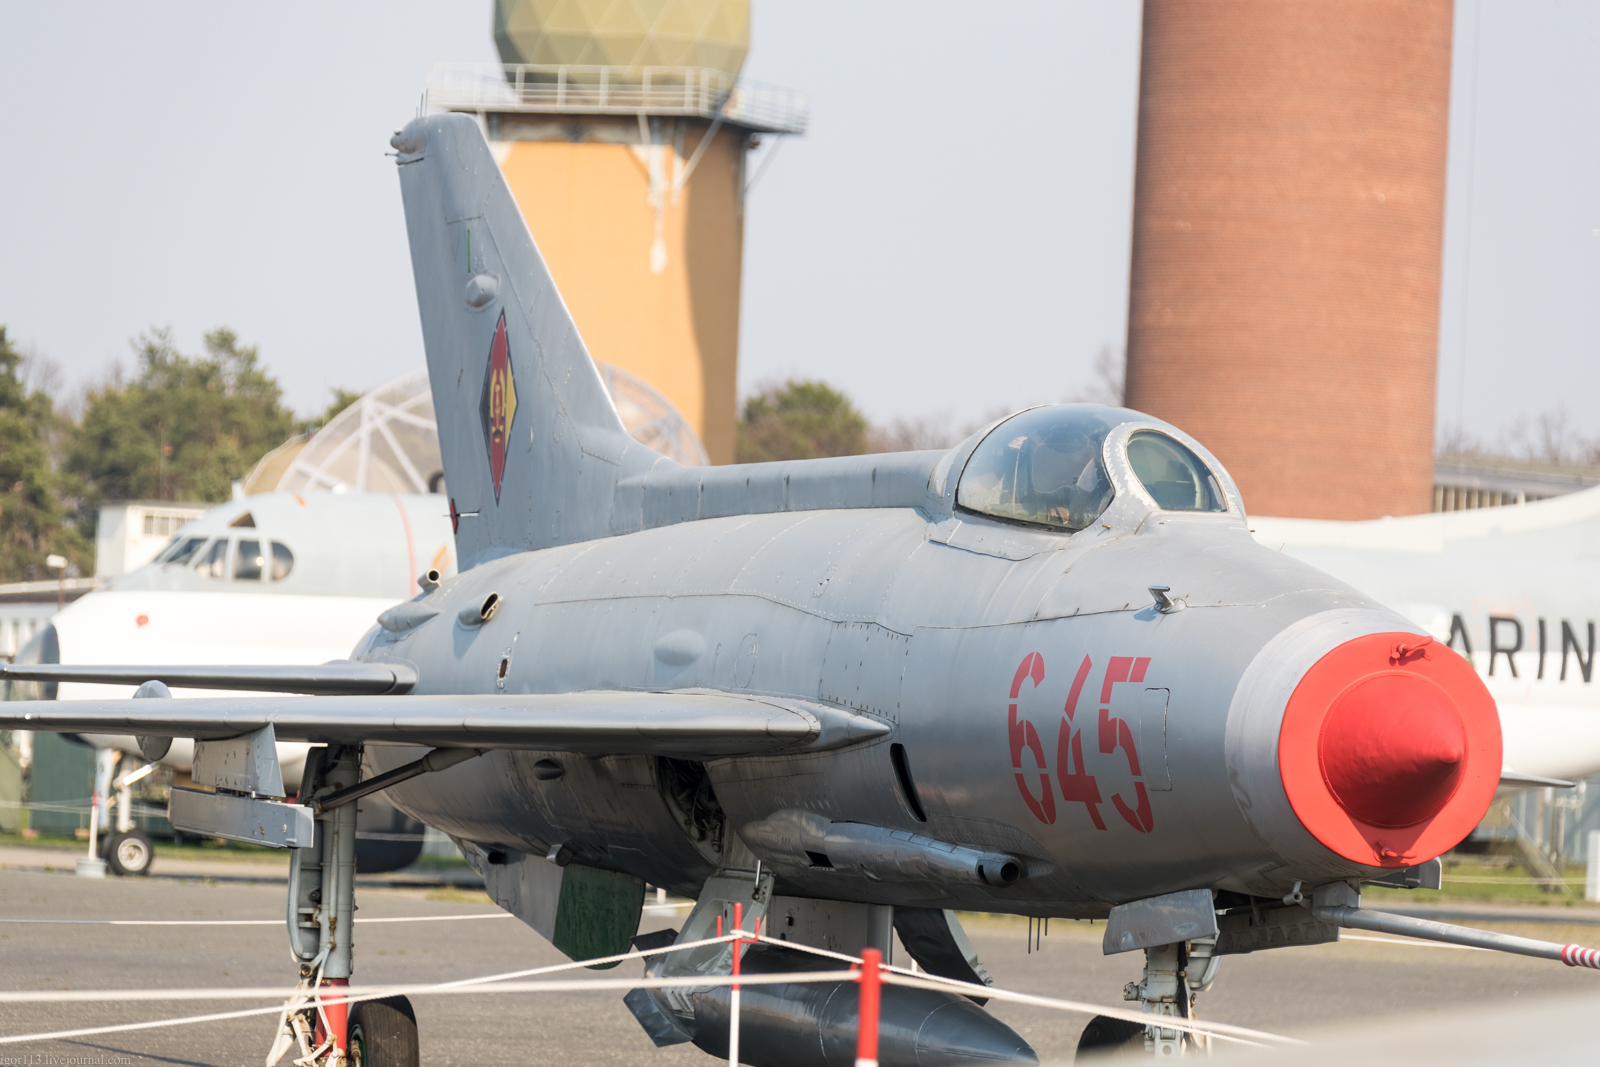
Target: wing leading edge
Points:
(688, 723)
(341, 677)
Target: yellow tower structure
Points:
(623, 129)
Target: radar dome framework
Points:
(388, 441)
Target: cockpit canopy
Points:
(1046, 467)
(1042, 466)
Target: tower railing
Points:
(574, 89)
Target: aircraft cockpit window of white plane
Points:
(253, 560)
(1174, 475)
(213, 562)
(249, 562)
(1042, 467)
(181, 551)
(282, 561)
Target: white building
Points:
(129, 534)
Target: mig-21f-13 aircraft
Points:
(1046, 673)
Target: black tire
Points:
(1106, 1038)
(130, 853)
(383, 1033)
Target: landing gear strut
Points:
(1174, 976)
(1163, 991)
(321, 915)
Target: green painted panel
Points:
(62, 774)
(598, 913)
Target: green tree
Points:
(800, 420)
(185, 428)
(342, 398)
(33, 523)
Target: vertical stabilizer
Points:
(532, 444)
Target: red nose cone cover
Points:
(1391, 749)
(1390, 752)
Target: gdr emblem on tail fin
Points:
(507, 364)
(499, 404)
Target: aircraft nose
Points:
(1390, 749)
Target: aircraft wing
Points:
(341, 677)
(1512, 779)
(687, 723)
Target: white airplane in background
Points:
(297, 578)
(1514, 589)
(275, 579)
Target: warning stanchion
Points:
(867, 1021)
(733, 996)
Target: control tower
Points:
(623, 130)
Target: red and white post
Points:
(733, 999)
(867, 1023)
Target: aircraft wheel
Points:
(1106, 1038)
(383, 1033)
(130, 853)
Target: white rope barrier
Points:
(356, 993)
(1226, 1031)
(82, 806)
(508, 983)
(244, 922)
(924, 980)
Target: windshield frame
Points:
(1135, 503)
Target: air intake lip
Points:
(1390, 749)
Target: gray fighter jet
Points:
(1046, 673)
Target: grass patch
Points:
(211, 849)
(441, 863)
(206, 849)
(1478, 883)
(228, 852)
(452, 895)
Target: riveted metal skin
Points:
(935, 634)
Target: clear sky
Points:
(950, 237)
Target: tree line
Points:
(179, 428)
(186, 427)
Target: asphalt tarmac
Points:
(1339, 988)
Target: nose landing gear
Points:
(1174, 975)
